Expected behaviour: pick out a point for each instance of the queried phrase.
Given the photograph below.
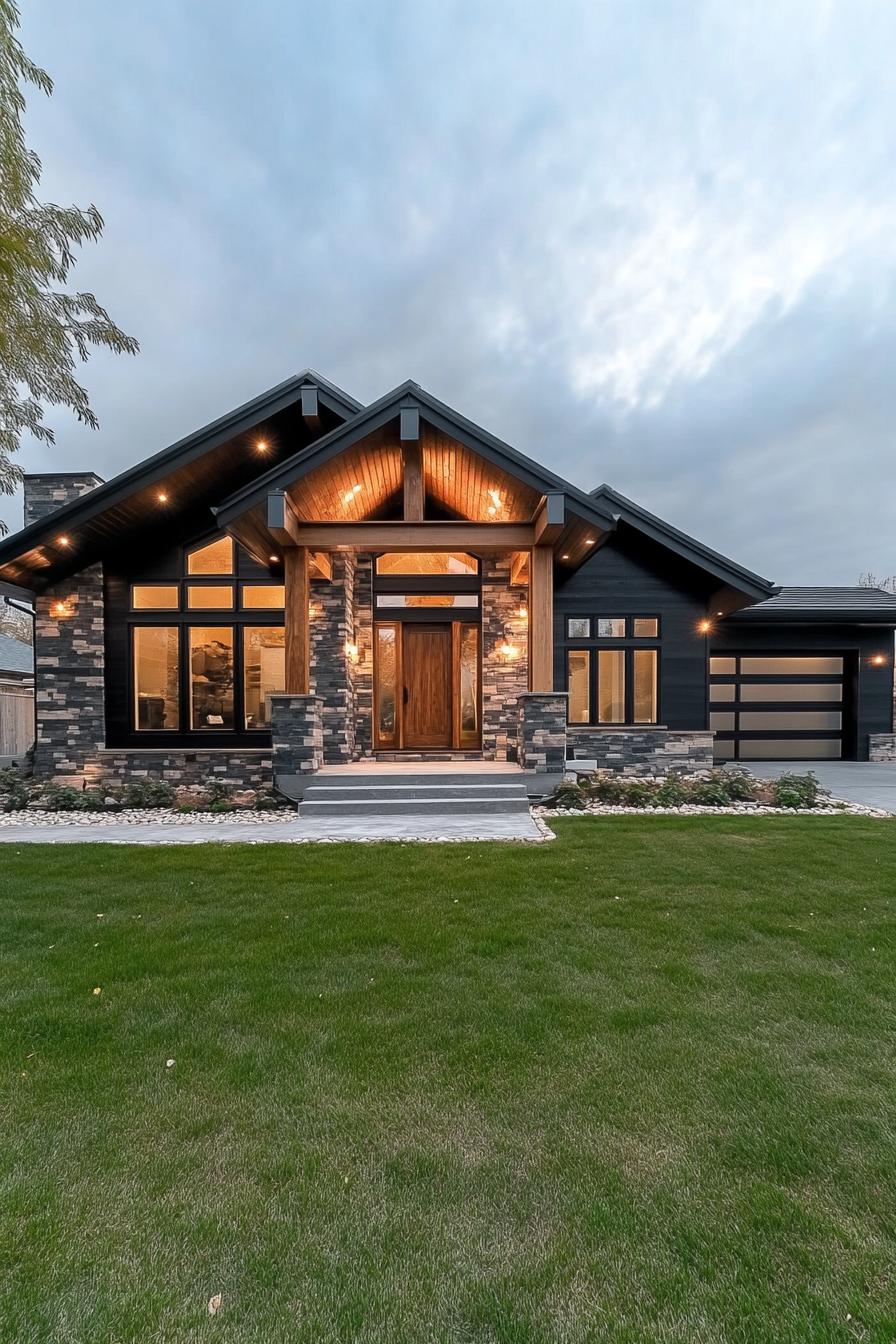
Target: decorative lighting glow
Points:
(492, 510)
(522, 611)
(589, 541)
(878, 660)
(350, 494)
(162, 497)
(60, 609)
(64, 541)
(564, 557)
(704, 627)
(274, 559)
(352, 650)
(261, 446)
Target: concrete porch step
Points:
(410, 794)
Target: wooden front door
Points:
(426, 666)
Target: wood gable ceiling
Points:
(365, 482)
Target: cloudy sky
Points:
(647, 242)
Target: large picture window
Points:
(201, 664)
(616, 679)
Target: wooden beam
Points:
(409, 424)
(296, 638)
(541, 620)
(402, 536)
(412, 477)
(518, 564)
(550, 519)
(321, 565)
(282, 522)
(310, 408)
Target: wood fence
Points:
(16, 719)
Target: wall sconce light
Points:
(507, 648)
(704, 627)
(61, 609)
(878, 660)
(523, 611)
(352, 650)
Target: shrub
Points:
(797, 791)
(637, 793)
(221, 805)
(568, 794)
(147, 793)
(607, 789)
(740, 787)
(671, 793)
(61, 798)
(218, 790)
(13, 791)
(266, 802)
(710, 793)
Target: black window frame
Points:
(235, 618)
(629, 648)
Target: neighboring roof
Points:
(381, 412)
(26, 558)
(727, 571)
(853, 605)
(16, 656)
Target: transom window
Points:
(612, 627)
(427, 563)
(214, 652)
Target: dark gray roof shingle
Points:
(808, 603)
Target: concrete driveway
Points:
(873, 785)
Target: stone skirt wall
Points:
(243, 769)
(882, 746)
(641, 751)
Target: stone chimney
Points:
(48, 491)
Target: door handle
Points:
(404, 698)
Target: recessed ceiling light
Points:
(162, 497)
(564, 557)
(274, 559)
(261, 446)
(63, 541)
(589, 541)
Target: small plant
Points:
(569, 795)
(740, 787)
(221, 805)
(797, 791)
(147, 793)
(186, 807)
(266, 802)
(13, 791)
(671, 793)
(710, 793)
(218, 791)
(607, 789)
(637, 793)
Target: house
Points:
(311, 580)
(16, 697)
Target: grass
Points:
(637, 1085)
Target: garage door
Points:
(767, 707)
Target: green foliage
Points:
(568, 794)
(266, 802)
(221, 805)
(709, 793)
(217, 790)
(738, 785)
(797, 791)
(609, 789)
(147, 793)
(61, 798)
(671, 793)
(638, 792)
(13, 791)
(44, 330)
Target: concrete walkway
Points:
(513, 827)
(872, 784)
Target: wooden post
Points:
(412, 472)
(541, 619)
(297, 642)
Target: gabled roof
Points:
(795, 604)
(28, 558)
(16, 656)
(379, 413)
(725, 570)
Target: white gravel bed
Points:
(145, 816)
(833, 808)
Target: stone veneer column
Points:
(296, 733)
(69, 680)
(361, 670)
(503, 679)
(332, 625)
(542, 731)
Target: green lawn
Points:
(636, 1085)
